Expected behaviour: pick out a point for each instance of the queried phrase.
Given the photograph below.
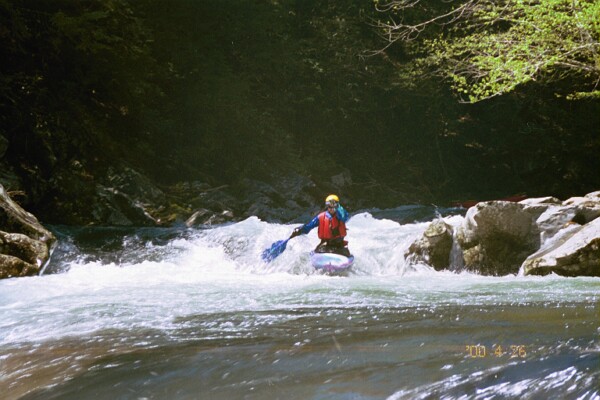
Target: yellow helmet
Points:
(332, 199)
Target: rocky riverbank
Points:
(532, 237)
(25, 245)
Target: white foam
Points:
(220, 270)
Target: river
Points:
(177, 313)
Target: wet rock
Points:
(198, 217)
(570, 233)
(593, 196)
(126, 198)
(261, 198)
(16, 220)
(553, 216)
(576, 253)
(11, 267)
(285, 200)
(540, 200)
(542, 235)
(114, 207)
(120, 196)
(25, 245)
(537, 206)
(206, 217)
(496, 237)
(135, 185)
(19, 245)
(587, 208)
(434, 247)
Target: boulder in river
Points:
(434, 247)
(25, 245)
(496, 237)
(575, 253)
(552, 216)
(557, 237)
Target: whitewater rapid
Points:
(114, 292)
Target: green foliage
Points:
(488, 48)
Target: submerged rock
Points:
(25, 245)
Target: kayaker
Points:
(332, 227)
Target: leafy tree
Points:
(487, 48)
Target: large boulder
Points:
(538, 205)
(575, 253)
(496, 237)
(535, 236)
(25, 245)
(434, 247)
(552, 216)
(587, 207)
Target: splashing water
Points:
(179, 313)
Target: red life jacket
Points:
(331, 228)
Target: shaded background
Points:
(253, 106)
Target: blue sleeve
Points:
(342, 214)
(309, 227)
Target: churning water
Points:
(195, 314)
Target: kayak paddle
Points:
(278, 247)
(275, 250)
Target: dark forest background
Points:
(172, 106)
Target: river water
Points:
(194, 314)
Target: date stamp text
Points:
(482, 351)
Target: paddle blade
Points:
(274, 251)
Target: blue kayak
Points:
(331, 263)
